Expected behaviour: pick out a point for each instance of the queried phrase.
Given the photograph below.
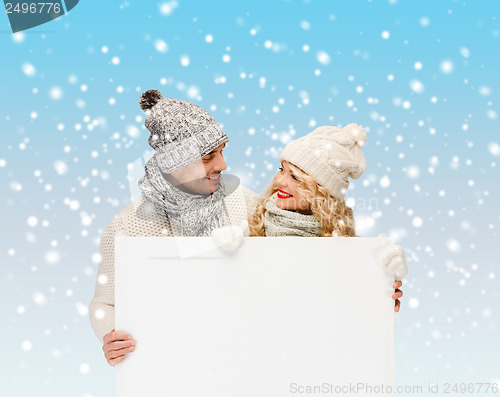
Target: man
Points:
(183, 194)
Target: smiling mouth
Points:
(213, 178)
(283, 195)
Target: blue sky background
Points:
(420, 76)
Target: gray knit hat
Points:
(181, 132)
(330, 155)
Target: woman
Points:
(306, 196)
(295, 204)
(308, 191)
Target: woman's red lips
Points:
(283, 195)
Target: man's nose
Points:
(220, 164)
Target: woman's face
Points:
(288, 197)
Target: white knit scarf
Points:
(279, 222)
(188, 214)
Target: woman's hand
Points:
(396, 295)
(116, 346)
(230, 238)
(392, 257)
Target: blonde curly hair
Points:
(335, 217)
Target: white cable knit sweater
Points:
(137, 219)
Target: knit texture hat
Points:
(181, 132)
(330, 155)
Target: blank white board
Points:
(279, 317)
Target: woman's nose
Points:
(280, 180)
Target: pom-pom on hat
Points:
(331, 155)
(181, 132)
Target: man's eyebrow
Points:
(213, 151)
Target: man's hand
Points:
(396, 295)
(116, 346)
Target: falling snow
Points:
(423, 84)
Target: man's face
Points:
(202, 176)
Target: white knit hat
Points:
(330, 155)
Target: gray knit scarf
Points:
(188, 214)
(279, 222)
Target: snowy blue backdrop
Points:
(420, 76)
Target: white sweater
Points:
(134, 220)
(137, 220)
